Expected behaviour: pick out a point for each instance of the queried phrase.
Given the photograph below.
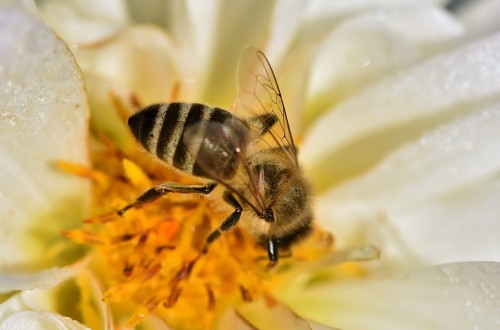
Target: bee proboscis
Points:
(252, 156)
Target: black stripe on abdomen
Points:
(169, 128)
(219, 115)
(142, 124)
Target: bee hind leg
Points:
(230, 221)
(165, 188)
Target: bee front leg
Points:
(230, 221)
(168, 187)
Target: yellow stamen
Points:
(136, 176)
(154, 255)
(84, 237)
(82, 171)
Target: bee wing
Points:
(220, 151)
(260, 100)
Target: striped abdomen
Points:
(162, 129)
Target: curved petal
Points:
(366, 46)
(26, 301)
(321, 16)
(78, 21)
(139, 63)
(26, 5)
(464, 224)
(45, 279)
(453, 296)
(210, 41)
(285, 25)
(140, 58)
(353, 56)
(39, 320)
(442, 185)
(32, 310)
(43, 119)
(405, 105)
(247, 23)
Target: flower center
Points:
(154, 255)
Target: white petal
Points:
(195, 26)
(440, 186)
(285, 24)
(320, 16)
(198, 36)
(80, 21)
(360, 131)
(26, 5)
(234, 25)
(367, 46)
(378, 38)
(140, 61)
(454, 296)
(353, 56)
(45, 279)
(464, 225)
(425, 25)
(320, 8)
(26, 301)
(31, 310)
(43, 119)
(86, 298)
(27, 320)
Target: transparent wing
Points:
(261, 104)
(219, 151)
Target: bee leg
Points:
(272, 251)
(168, 187)
(264, 122)
(230, 221)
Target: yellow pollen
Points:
(153, 256)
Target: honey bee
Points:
(252, 156)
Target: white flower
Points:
(43, 120)
(396, 104)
